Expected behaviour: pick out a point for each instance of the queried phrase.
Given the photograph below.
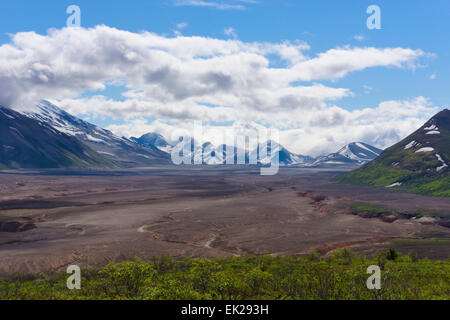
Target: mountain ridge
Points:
(419, 163)
(354, 153)
(26, 143)
(152, 148)
(122, 151)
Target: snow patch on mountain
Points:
(432, 127)
(426, 149)
(396, 184)
(103, 141)
(444, 165)
(410, 145)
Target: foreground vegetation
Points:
(341, 276)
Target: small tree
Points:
(391, 254)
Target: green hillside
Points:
(418, 164)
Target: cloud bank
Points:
(179, 79)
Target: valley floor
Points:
(52, 219)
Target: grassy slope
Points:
(94, 160)
(377, 211)
(375, 174)
(416, 171)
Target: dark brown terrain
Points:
(51, 219)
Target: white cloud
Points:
(381, 126)
(165, 71)
(230, 31)
(337, 63)
(131, 108)
(367, 89)
(359, 37)
(182, 25)
(433, 76)
(201, 78)
(319, 132)
(210, 4)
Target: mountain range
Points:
(353, 154)
(120, 151)
(419, 163)
(49, 137)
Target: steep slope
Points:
(119, 150)
(28, 143)
(355, 153)
(418, 163)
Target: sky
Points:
(311, 69)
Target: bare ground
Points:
(92, 218)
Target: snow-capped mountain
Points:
(419, 163)
(102, 141)
(268, 152)
(209, 154)
(355, 153)
(206, 153)
(153, 139)
(30, 143)
(360, 152)
(153, 148)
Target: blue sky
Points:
(323, 25)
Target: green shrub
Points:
(342, 276)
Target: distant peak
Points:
(152, 138)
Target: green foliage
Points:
(127, 279)
(413, 256)
(391, 254)
(377, 175)
(344, 256)
(377, 212)
(314, 255)
(259, 282)
(342, 276)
